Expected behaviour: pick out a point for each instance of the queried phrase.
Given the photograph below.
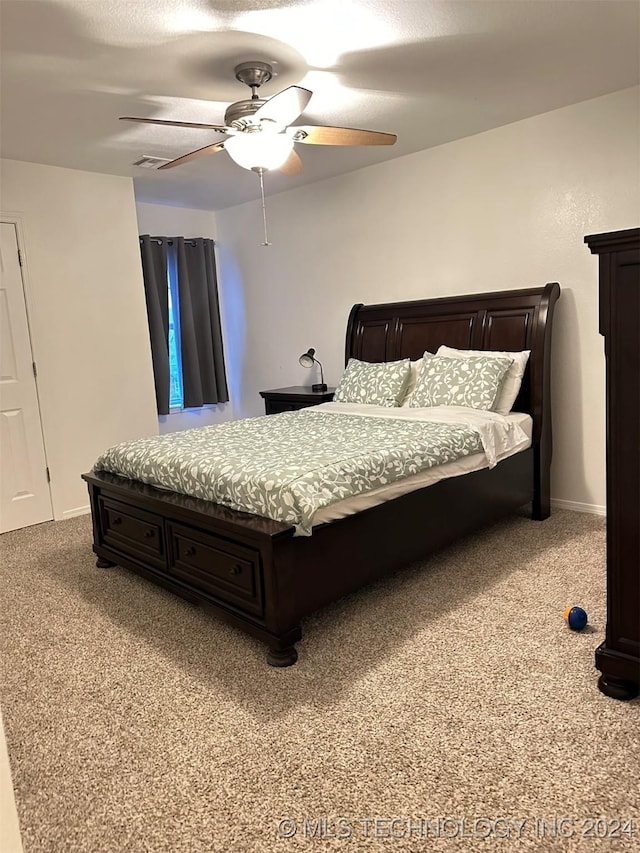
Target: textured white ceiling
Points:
(429, 71)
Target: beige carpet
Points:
(451, 697)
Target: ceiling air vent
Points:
(147, 162)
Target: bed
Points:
(257, 573)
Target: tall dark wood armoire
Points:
(618, 657)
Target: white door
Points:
(24, 488)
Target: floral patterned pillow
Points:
(377, 384)
(512, 379)
(473, 382)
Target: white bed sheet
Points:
(514, 438)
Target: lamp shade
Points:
(259, 150)
(307, 359)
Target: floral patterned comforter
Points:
(287, 466)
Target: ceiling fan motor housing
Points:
(236, 114)
(252, 74)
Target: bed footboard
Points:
(203, 552)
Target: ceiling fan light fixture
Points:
(259, 150)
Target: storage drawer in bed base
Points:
(133, 531)
(190, 592)
(220, 569)
(197, 563)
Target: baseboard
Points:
(71, 513)
(594, 509)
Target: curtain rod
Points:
(189, 242)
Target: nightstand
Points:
(294, 397)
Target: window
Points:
(175, 368)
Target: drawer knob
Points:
(117, 520)
(235, 570)
(189, 551)
(149, 534)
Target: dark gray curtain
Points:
(193, 264)
(203, 373)
(154, 269)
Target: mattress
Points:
(465, 465)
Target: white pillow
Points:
(512, 378)
(414, 370)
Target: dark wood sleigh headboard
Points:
(509, 320)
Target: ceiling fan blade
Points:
(216, 127)
(284, 107)
(312, 135)
(292, 165)
(193, 155)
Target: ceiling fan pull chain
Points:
(264, 209)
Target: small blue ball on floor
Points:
(576, 618)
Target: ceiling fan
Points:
(260, 136)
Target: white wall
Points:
(162, 220)
(503, 209)
(87, 316)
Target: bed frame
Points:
(253, 572)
